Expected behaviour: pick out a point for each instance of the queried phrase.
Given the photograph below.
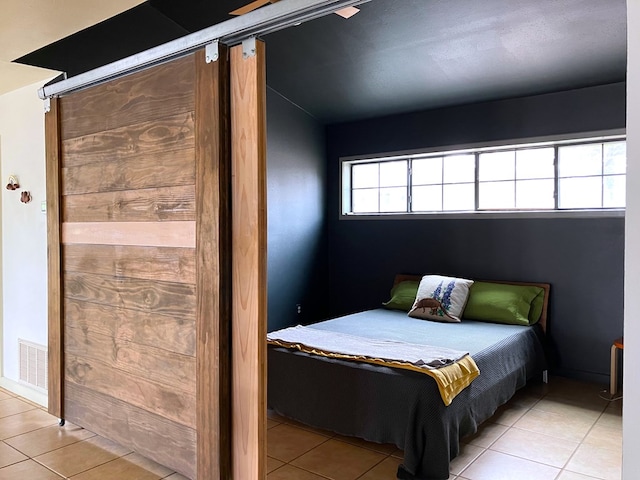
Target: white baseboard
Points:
(24, 391)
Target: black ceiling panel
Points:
(195, 15)
(131, 32)
(395, 55)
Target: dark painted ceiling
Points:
(395, 55)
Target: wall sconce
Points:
(13, 183)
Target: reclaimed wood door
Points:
(139, 221)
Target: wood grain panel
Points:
(165, 298)
(102, 377)
(151, 204)
(144, 139)
(150, 263)
(148, 95)
(55, 311)
(172, 370)
(213, 249)
(153, 436)
(248, 147)
(166, 169)
(152, 234)
(174, 334)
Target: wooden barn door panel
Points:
(213, 249)
(248, 146)
(137, 252)
(55, 325)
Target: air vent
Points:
(33, 364)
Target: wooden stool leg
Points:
(613, 382)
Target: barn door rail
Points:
(231, 32)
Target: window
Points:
(587, 174)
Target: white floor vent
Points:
(33, 364)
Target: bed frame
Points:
(406, 410)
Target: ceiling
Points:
(394, 56)
(27, 25)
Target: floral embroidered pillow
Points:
(441, 298)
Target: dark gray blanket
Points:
(387, 405)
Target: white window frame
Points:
(557, 140)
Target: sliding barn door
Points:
(139, 262)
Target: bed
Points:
(392, 405)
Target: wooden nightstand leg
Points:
(613, 382)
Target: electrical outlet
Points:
(299, 308)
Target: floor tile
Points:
(573, 407)
(176, 476)
(148, 464)
(604, 436)
(574, 389)
(398, 453)
(275, 417)
(536, 446)
(468, 453)
(572, 428)
(4, 395)
(615, 408)
(273, 464)
(596, 462)
(11, 406)
(566, 475)
(289, 472)
(47, 439)
(525, 398)
(272, 423)
(77, 458)
(286, 442)
(9, 455)
(109, 446)
(508, 414)
(120, 468)
(611, 418)
(486, 435)
(27, 470)
(303, 426)
(385, 448)
(338, 460)
(499, 466)
(385, 470)
(25, 422)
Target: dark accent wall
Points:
(582, 258)
(296, 194)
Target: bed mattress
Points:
(387, 405)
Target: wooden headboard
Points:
(545, 306)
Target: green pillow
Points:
(504, 303)
(537, 304)
(403, 295)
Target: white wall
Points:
(24, 229)
(631, 412)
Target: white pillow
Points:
(441, 298)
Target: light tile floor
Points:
(560, 431)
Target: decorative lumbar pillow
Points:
(403, 295)
(441, 298)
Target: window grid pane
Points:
(558, 177)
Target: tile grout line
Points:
(374, 466)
